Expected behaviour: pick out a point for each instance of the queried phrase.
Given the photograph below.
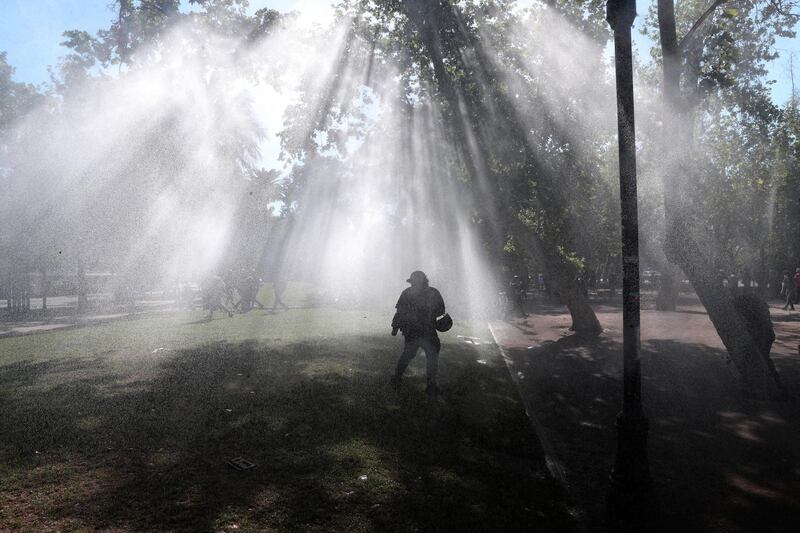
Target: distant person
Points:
(213, 294)
(229, 280)
(255, 286)
(789, 290)
(418, 308)
(516, 289)
(278, 287)
(248, 292)
(245, 297)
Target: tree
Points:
(519, 193)
(17, 100)
(711, 61)
(110, 207)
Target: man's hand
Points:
(394, 332)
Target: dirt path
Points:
(720, 462)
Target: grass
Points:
(128, 426)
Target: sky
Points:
(31, 30)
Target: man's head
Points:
(418, 278)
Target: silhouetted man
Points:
(516, 289)
(417, 310)
(213, 294)
(248, 292)
(788, 289)
(229, 280)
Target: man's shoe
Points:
(394, 381)
(433, 391)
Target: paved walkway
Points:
(30, 327)
(719, 462)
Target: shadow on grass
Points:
(146, 449)
(785, 318)
(720, 462)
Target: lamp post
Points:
(631, 484)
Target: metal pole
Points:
(630, 479)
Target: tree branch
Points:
(785, 8)
(699, 22)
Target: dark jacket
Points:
(417, 311)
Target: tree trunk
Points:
(681, 247)
(584, 319)
(667, 294)
(758, 376)
(563, 275)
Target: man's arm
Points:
(397, 323)
(397, 320)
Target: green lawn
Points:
(127, 427)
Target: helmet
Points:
(417, 277)
(444, 323)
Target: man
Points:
(516, 289)
(255, 286)
(788, 289)
(213, 293)
(417, 310)
(248, 292)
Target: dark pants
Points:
(790, 297)
(431, 345)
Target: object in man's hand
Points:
(394, 332)
(444, 323)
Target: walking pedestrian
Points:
(213, 294)
(418, 309)
(789, 290)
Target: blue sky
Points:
(31, 30)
